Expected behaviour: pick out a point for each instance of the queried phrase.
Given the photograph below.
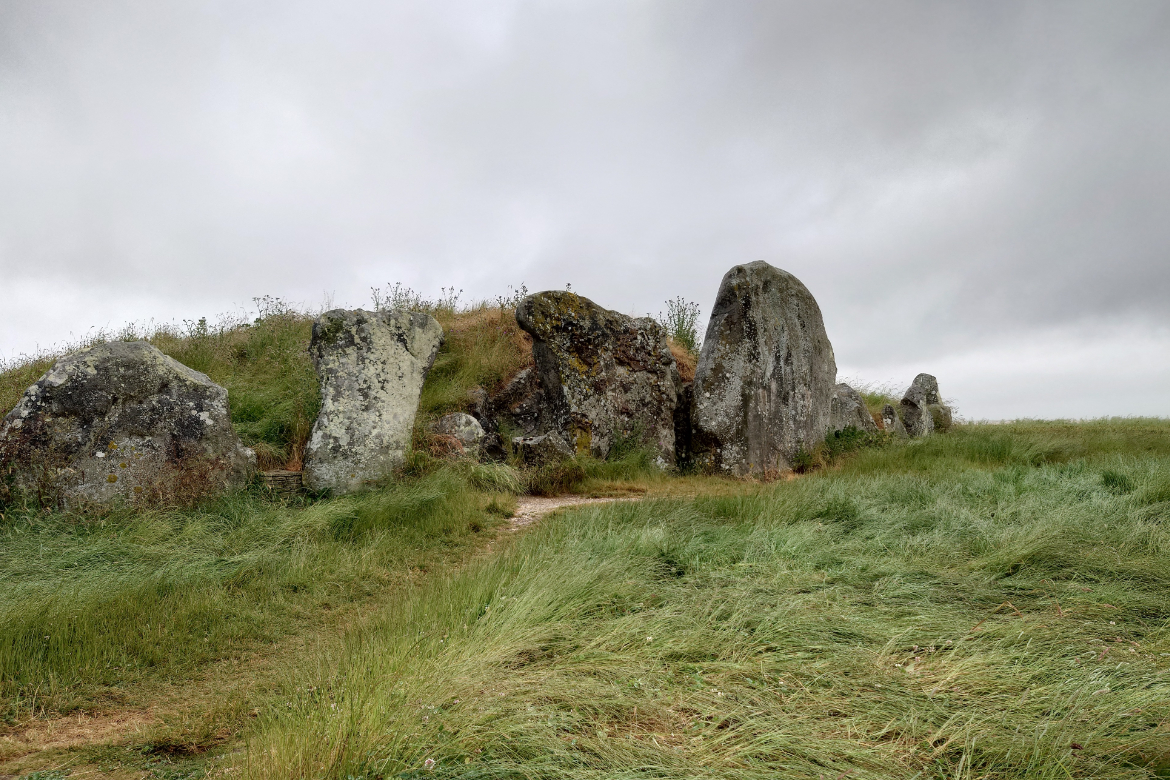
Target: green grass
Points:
(992, 603)
(94, 604)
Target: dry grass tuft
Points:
(686, 360)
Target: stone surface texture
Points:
(122, 421)
(915, 406)
(892, 423)
(372, 366)
(461, 427)
(542, 449)
(603, 376)
(515, 409)
(848, 409)
(764, 382)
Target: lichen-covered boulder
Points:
(515, 409)
(371, 366)
(921, 406)
(121, 421)
(847, 408)
(603, 376)
(764, 383)
(892, 423)
(543, 449)
(461, 427)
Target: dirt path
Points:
(530, 509)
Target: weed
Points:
(681, 323)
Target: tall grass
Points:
(91, 602)
(997, 609)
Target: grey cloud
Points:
(942, 176)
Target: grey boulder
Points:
(764, 383)
(462, 428)
(847, 409)
(122, 421)
(515, 409)
(603, 376)
(372, 366)
(922, 409)
(892, 423)
(539, 450)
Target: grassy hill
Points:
(993, 602)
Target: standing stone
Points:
(763, 387)
(848, 409)
(916, 406)
(371, 366)
(892, 423)
(603, 376)
(122, 420)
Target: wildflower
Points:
(429, 764)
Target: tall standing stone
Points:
(122, 421)
(764, 383)
(603, 376)
(371, 366)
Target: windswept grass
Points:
(997, 609)
(92, 603)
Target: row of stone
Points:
(123, 419)
(764, 387)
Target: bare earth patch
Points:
(530, 509)
(76, 731)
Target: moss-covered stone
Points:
(603, 376)
(372, 366)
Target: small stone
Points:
(848, 409)
(463, 428)
(892, 423)
(915, 407)
(538, 450)
(515, 409)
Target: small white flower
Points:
(429, 764)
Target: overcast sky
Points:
(980, 190)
